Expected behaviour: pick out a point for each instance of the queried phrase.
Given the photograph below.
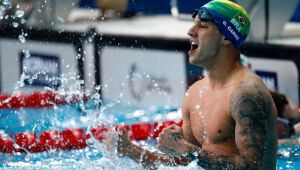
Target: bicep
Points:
(252, 112)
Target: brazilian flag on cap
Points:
(231, 19)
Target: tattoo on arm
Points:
(252, 109)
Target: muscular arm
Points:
(150, 160)
(255, 132)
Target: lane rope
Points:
(38, 100)
(66, 139)
(74, 138)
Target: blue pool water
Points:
(95, 156)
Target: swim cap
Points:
(231, 19)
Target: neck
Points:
(224, 66)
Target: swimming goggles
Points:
(203, 15)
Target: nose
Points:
(191, 31)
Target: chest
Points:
(210, 118)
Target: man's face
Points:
(205, 40)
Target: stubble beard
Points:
(199, 60)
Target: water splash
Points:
(19, 13)
(26, 53)
(15, 24)
(60, 19)
(6, 4)
(22, 36)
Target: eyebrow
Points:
(205, 20)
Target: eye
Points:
(202, 25)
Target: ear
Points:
(225, 41)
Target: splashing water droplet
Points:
(27, 158)
(90, 39)
(23, 123)
(60, 19)
(6, 4)
(26, 53)
(22, 38)
(23, 21)
(19, 13)
(4, 135)
(15, 24)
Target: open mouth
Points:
(194, 46)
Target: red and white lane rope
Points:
(65, 139)
(37, 100)
(73, 138)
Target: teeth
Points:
(193, 43)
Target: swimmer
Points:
(229, 117)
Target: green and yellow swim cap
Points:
(231, 19)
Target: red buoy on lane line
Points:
(26, 140)
(140, 131)
(51, 140)
(7, 145)
(75, 138)
(98, 133)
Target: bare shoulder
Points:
(189, 95)
(251, 95)
(251, 84)
(197, 85)
(251, 90)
